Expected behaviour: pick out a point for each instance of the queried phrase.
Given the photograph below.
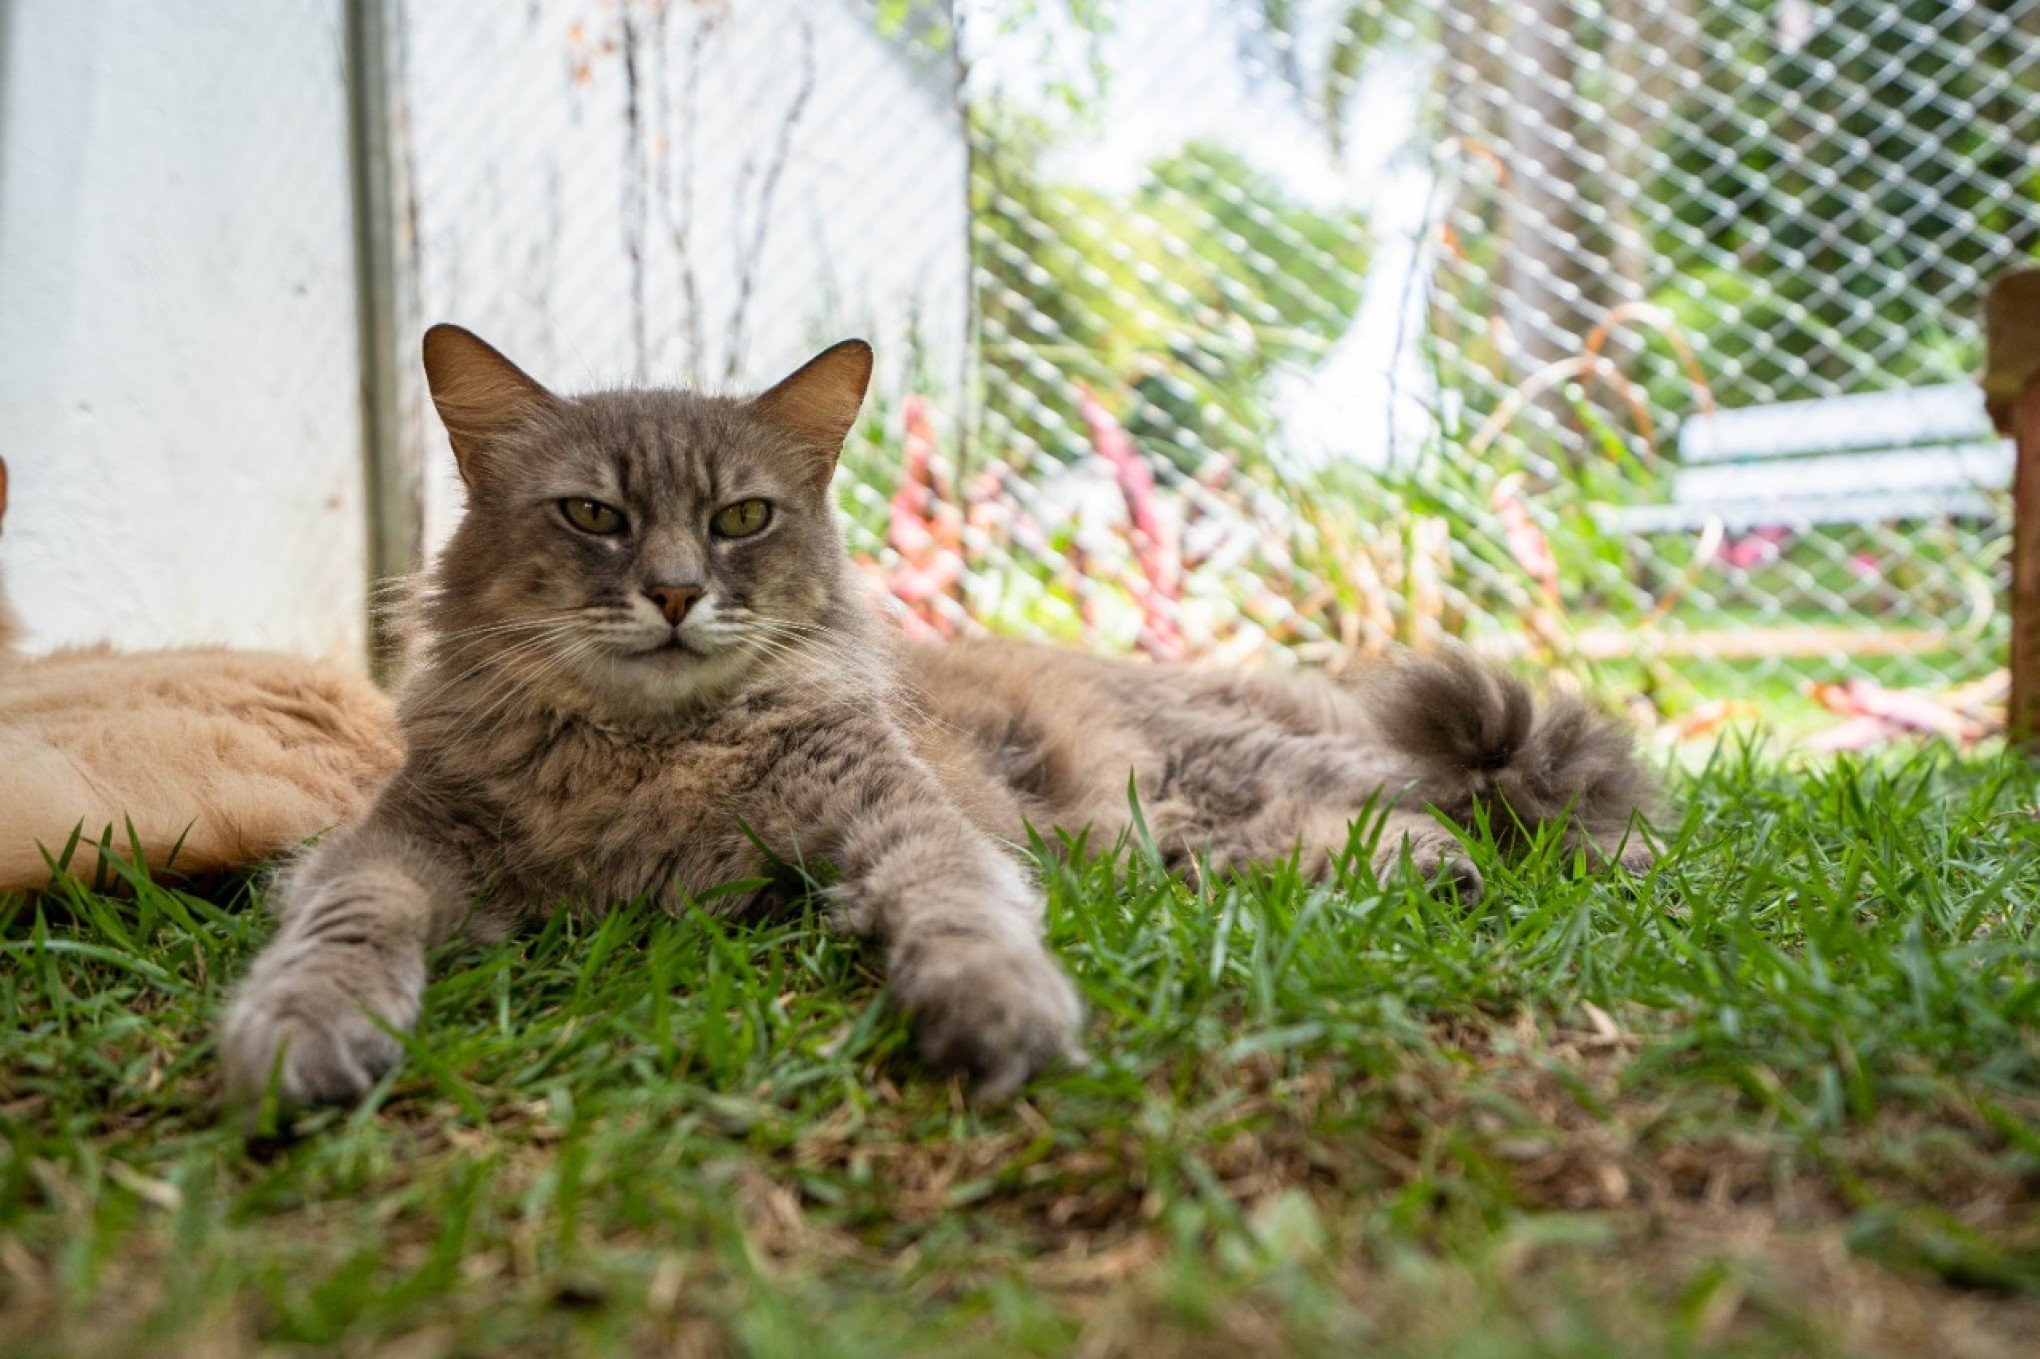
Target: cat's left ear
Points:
(481, 395)
(815, 406)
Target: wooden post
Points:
(2011, 391)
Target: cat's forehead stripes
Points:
(658, 451)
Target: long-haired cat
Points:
(216, 758)
(645, 668)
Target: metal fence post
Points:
(390, 460)
(2011, 387)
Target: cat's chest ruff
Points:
(612, 815)
(677, 775)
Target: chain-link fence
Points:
(1629, 334)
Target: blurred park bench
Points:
(1877, 458)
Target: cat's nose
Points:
(673, 600)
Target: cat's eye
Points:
(742, 519)
(592, 516)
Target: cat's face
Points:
(647, 547)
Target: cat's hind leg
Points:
(1316, 837)
(1435, 853)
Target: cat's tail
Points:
(1475, 736)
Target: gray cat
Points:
(645, 666)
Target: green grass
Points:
(1781, 1098)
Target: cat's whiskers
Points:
(498, 658)
(512, 685)
(796, 664)
(817, 643)
(512, 624)
(508, 674)
(482, 658)
(743, 632)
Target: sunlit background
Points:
(1633, 336)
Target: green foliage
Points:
(1861, 183)
(1175, 304)
(1818, 210)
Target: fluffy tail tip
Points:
(1477, 735)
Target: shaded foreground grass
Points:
(1782, 1097)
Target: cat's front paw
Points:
(998, 1009)
(316, 1040)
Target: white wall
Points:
(178, 376)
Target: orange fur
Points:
(224, 757)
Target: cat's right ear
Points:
(480, 395)
(816, 406)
